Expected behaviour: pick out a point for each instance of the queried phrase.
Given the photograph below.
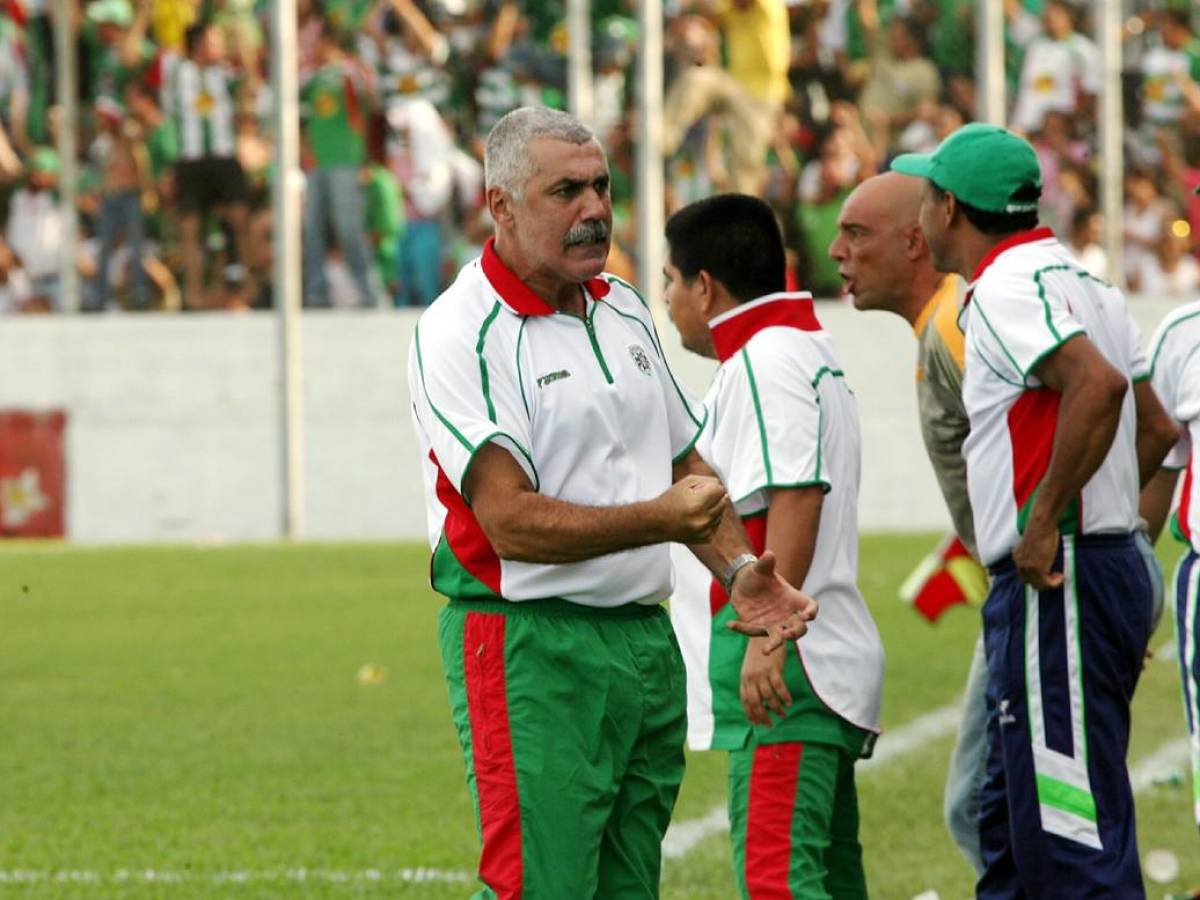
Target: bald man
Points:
(885, 264)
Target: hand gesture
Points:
(767, 605)
(1034, 555)
(693, 507)
(762, 687)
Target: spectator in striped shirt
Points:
(200, 92)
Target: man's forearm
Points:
(541, 529)
(1087, 423)
(729, 541)
(1157, 433)
(727, 544)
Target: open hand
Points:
(767, 605)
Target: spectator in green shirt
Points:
(333, 111)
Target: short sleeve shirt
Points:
(587, 407)
(1175, 376)
(1029, 297)
(781, 416)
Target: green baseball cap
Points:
(43, 159)
(111, 12)
(984, 166)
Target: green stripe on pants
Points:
(793, 812)
(572, 724)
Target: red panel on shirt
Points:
(465, 535)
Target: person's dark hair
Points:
(1179, 17)
(998, 223)
(192, 35)
(1081, 218)
(735, 238)
(915, 31)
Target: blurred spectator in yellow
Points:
(169, 20)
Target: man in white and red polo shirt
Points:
(783, 435)
(558, 457)
(1053, 472)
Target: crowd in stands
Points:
(796, 102)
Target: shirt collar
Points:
(1021, 237)
(733, 329)
(516, 294)
(948, 284)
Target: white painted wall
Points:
(173, 426)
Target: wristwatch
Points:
(736, 565)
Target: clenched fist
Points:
(692, 507)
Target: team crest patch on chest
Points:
(640, 359)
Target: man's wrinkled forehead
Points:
(555, 160)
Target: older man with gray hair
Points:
(558, 459)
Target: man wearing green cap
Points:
(1053, 471)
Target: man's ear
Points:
(706, 294)
(914, 242)
(499, 203)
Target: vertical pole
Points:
(67, 98)
(285, 203)
(1111, 129)
(649, 182)
(989, 62)
(579, 60)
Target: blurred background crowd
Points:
(796, 101)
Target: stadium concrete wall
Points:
(173, 421)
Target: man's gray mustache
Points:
(586, 233)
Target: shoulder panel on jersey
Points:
(1170, 324)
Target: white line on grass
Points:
(1168, 652)
(682, 837)
(1162, 763)
(295, 875)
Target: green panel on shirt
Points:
(331, 135)
(808, 718)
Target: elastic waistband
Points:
(1081, 541)
(558, 608)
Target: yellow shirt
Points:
(171, 19)
(759, 48)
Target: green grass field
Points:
(188, 722)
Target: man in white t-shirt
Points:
(1060, 73)
(1053, 472)
(559, 461)
(1175, 376)
(783, 435)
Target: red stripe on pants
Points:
(773, 779)
(491, 749)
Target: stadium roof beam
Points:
(1110, 112)
(649, 181)
(989, 62)
(66, 66)
(579, 60)
(285, 206)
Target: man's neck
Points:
(565, 296)
(975, 248)
(925, 284)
